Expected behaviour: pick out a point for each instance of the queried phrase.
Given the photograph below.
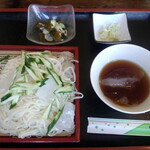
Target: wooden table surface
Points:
(130, 4)
(85, 148)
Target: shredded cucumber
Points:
(31, 75)
(4, 59)
(52, 124)
(64, 89)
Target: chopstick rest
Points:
(118, 126)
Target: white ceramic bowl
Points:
(111, 28)
(128, 52)
(42, 14)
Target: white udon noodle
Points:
(26, 118)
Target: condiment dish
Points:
(111, 28)
(127, 52)
(50, 25)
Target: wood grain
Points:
(86, 148)
(135, 4)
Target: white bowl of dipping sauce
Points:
(120, 76)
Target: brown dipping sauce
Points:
(125, 83)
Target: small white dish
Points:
(128, 52)
(111, 28)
